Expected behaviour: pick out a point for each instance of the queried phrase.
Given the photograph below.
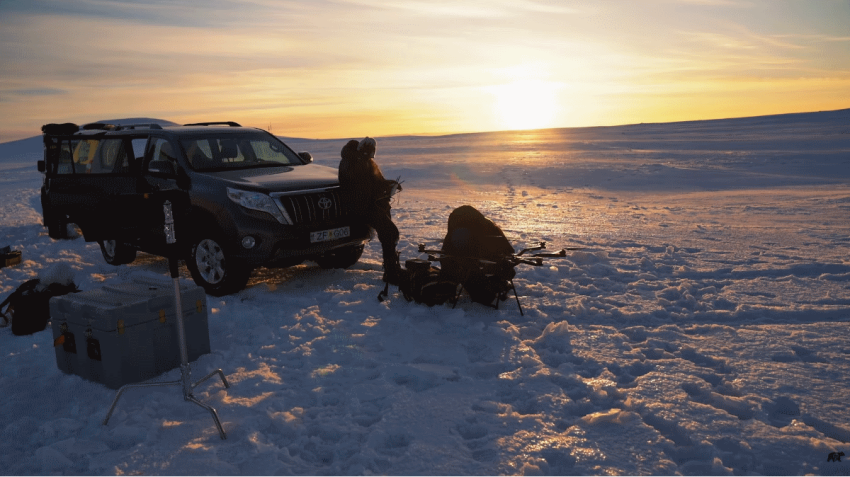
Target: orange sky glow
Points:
(337, 69)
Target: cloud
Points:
(715, 3)
(36, 92)
(467, 10)
(201, 13)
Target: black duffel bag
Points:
(28, 307)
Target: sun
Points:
(525, 104)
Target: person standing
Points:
(368, 195)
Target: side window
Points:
(229, 151)
(111, 157)
(199, 153)
(93, 156)
(162, 152)
(204, 146)
(64, 157)
(137, 149)
(139, 144)
(84, 155)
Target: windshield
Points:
(237, 151)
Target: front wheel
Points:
(213, 269)
(117, 253)
(341, 257)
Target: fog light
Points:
(248, 242)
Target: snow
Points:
(702, 328)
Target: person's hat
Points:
(368, 147)
(349, 151)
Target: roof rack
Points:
(118, 127)
(90, 126)
(217, 123)
(138, 126)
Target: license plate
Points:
(332, 234)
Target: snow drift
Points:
(701, 330)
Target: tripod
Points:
(185, 370)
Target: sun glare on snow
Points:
(525, 104)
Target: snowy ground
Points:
(703, 329)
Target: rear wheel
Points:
(213, 269)
(341, 257)
(117, 253)
(57, 226)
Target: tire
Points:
(57, 226)
(116, 253)
(341, 257)
(212, 269)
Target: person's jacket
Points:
(362, 184)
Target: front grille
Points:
(311, 207)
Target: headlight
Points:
(259, 201)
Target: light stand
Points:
(185, 370)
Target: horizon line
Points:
(460, 133)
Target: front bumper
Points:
(292, 245)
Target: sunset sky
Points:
(336, 68)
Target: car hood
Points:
(280, 179)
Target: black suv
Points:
(249, 200)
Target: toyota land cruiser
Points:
(250, 200)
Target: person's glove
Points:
(395, 187)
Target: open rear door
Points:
(94, 181)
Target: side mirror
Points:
(162, 167)
(41, 166)
(306, 156)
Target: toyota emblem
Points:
(325, 203)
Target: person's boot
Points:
(392, 268)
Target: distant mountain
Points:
(30, 146)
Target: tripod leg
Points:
(128, 386)
(212, 411)
(465, 279)
(217, 371)
(516, 295)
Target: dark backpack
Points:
(29, 305)
(476, 254)
(423, 283)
